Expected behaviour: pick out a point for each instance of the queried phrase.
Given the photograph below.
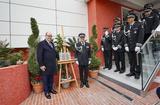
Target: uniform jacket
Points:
(134, 35)
(83, 53)
(150, 23)
(106, 42)
(118, 40)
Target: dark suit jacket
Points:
(46, 56)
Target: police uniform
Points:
(83, 57)
(118, 48)
(151, 22)
(106, 44)
(134, 34)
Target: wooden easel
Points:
(66, 63)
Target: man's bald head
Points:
(48, 36)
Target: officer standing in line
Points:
(118, 48)
(150, 20)
(117, 20)
(134, 33)
(106, 47)
(83, 57)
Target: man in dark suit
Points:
(106, 47)
(46, 56)
(83, 57)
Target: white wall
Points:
(50, 15)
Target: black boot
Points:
(137, 76)
(87, 85)
(116, 70)
(130, 74)
(81, 85)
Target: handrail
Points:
(148, 39)
(139, 63)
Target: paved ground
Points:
(97, 94)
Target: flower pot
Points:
(67, 84)
(93, 73)
(37, 87)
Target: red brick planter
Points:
(14, 84)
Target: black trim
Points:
(125, 96)
(130, 88)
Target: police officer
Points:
(134, 33)
(117, 20)
(118, 48)
(106, 47)
(150, 5)
(150, 20)
(83, 57)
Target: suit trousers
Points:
(108, 58)
(133, 63)
(83, 71)
(47, 82)
(119, 59)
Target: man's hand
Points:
(102, 49)
(77, 63)
(89, 62)
(137, 49)
(127, 49)
(115, 48)
(43, 68)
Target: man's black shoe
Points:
(137, 76)
(47, 95)
(116, 70)
(109, 68)
(81, 85)
(121, 72)
(53, 91)
(104, 67)
(87, 85)
(130, 74)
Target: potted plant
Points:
(33, 66)
(95, 61)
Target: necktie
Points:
(51, 45)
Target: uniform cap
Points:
(81, 34)
(131, 15)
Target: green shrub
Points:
(33, 41)
(95, 61)
(7, 56)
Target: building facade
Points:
(50, 15)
